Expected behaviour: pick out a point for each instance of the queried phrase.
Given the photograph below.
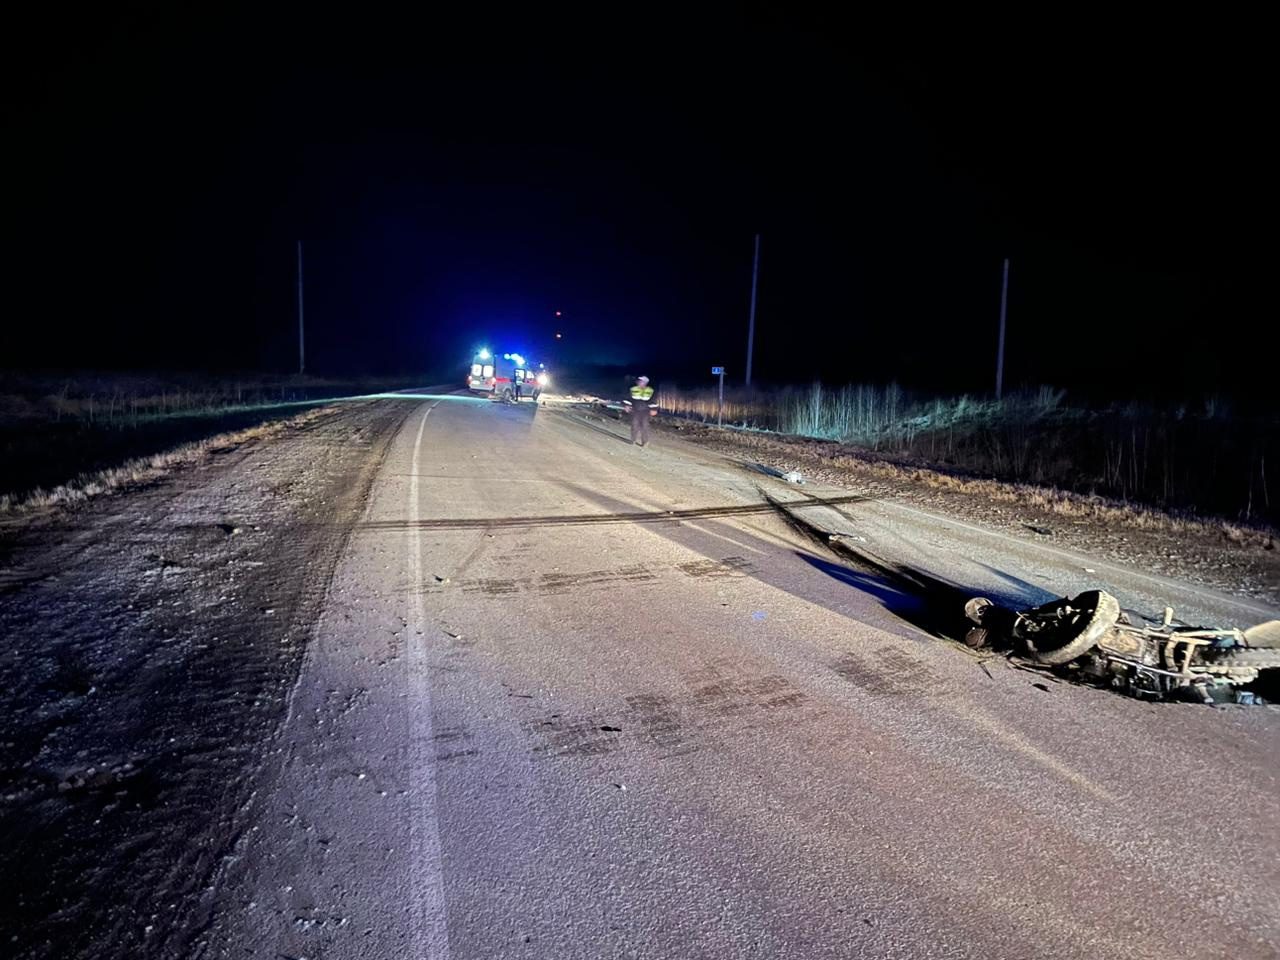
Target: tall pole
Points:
(302, 348)
(751, 325)
(720, 405)
(1004, 305)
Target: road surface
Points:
(562, 697)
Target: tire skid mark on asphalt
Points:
(578, 519)
(718, 695)
(556, 582)
(891, 672)
(471, 557)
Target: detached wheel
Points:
(1093, 614)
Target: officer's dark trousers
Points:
(640, 423)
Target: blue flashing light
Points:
(483, 354)
(517, 358)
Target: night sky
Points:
(454, 183)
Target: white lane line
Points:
(429, 919)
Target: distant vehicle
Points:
(509, 377)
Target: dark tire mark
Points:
(641, 516)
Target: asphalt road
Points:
(573, 698)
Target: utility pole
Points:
(302, 348)
(1004, 305)
(751, 325)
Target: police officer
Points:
(641, 407)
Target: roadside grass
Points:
(1201, 461)
(129, 400)
(141, 470)
(66, 437)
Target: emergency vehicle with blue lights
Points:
(507, 376)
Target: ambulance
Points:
(507, 377)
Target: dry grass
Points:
(1200, 459)
(867, 414)
(148, 469)
(122, 401)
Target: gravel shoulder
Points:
(151, 643)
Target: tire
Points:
(506, 395)
(1260, 658)
(979, 638)
(976, 610)
(1099, 612)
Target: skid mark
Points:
(490, 586)
(717, 697)
(728, 567)
(471, 557)
(889, 672)
(658, 717)
(564, 582)
(548, 583)
(559, 583)
(574, 736)
(641, 516)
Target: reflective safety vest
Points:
(642, 393)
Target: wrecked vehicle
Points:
(1090, 636)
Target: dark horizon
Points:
(454, 189)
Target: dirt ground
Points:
(1244, 562)
(147, 660)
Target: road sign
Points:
(719, 372)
